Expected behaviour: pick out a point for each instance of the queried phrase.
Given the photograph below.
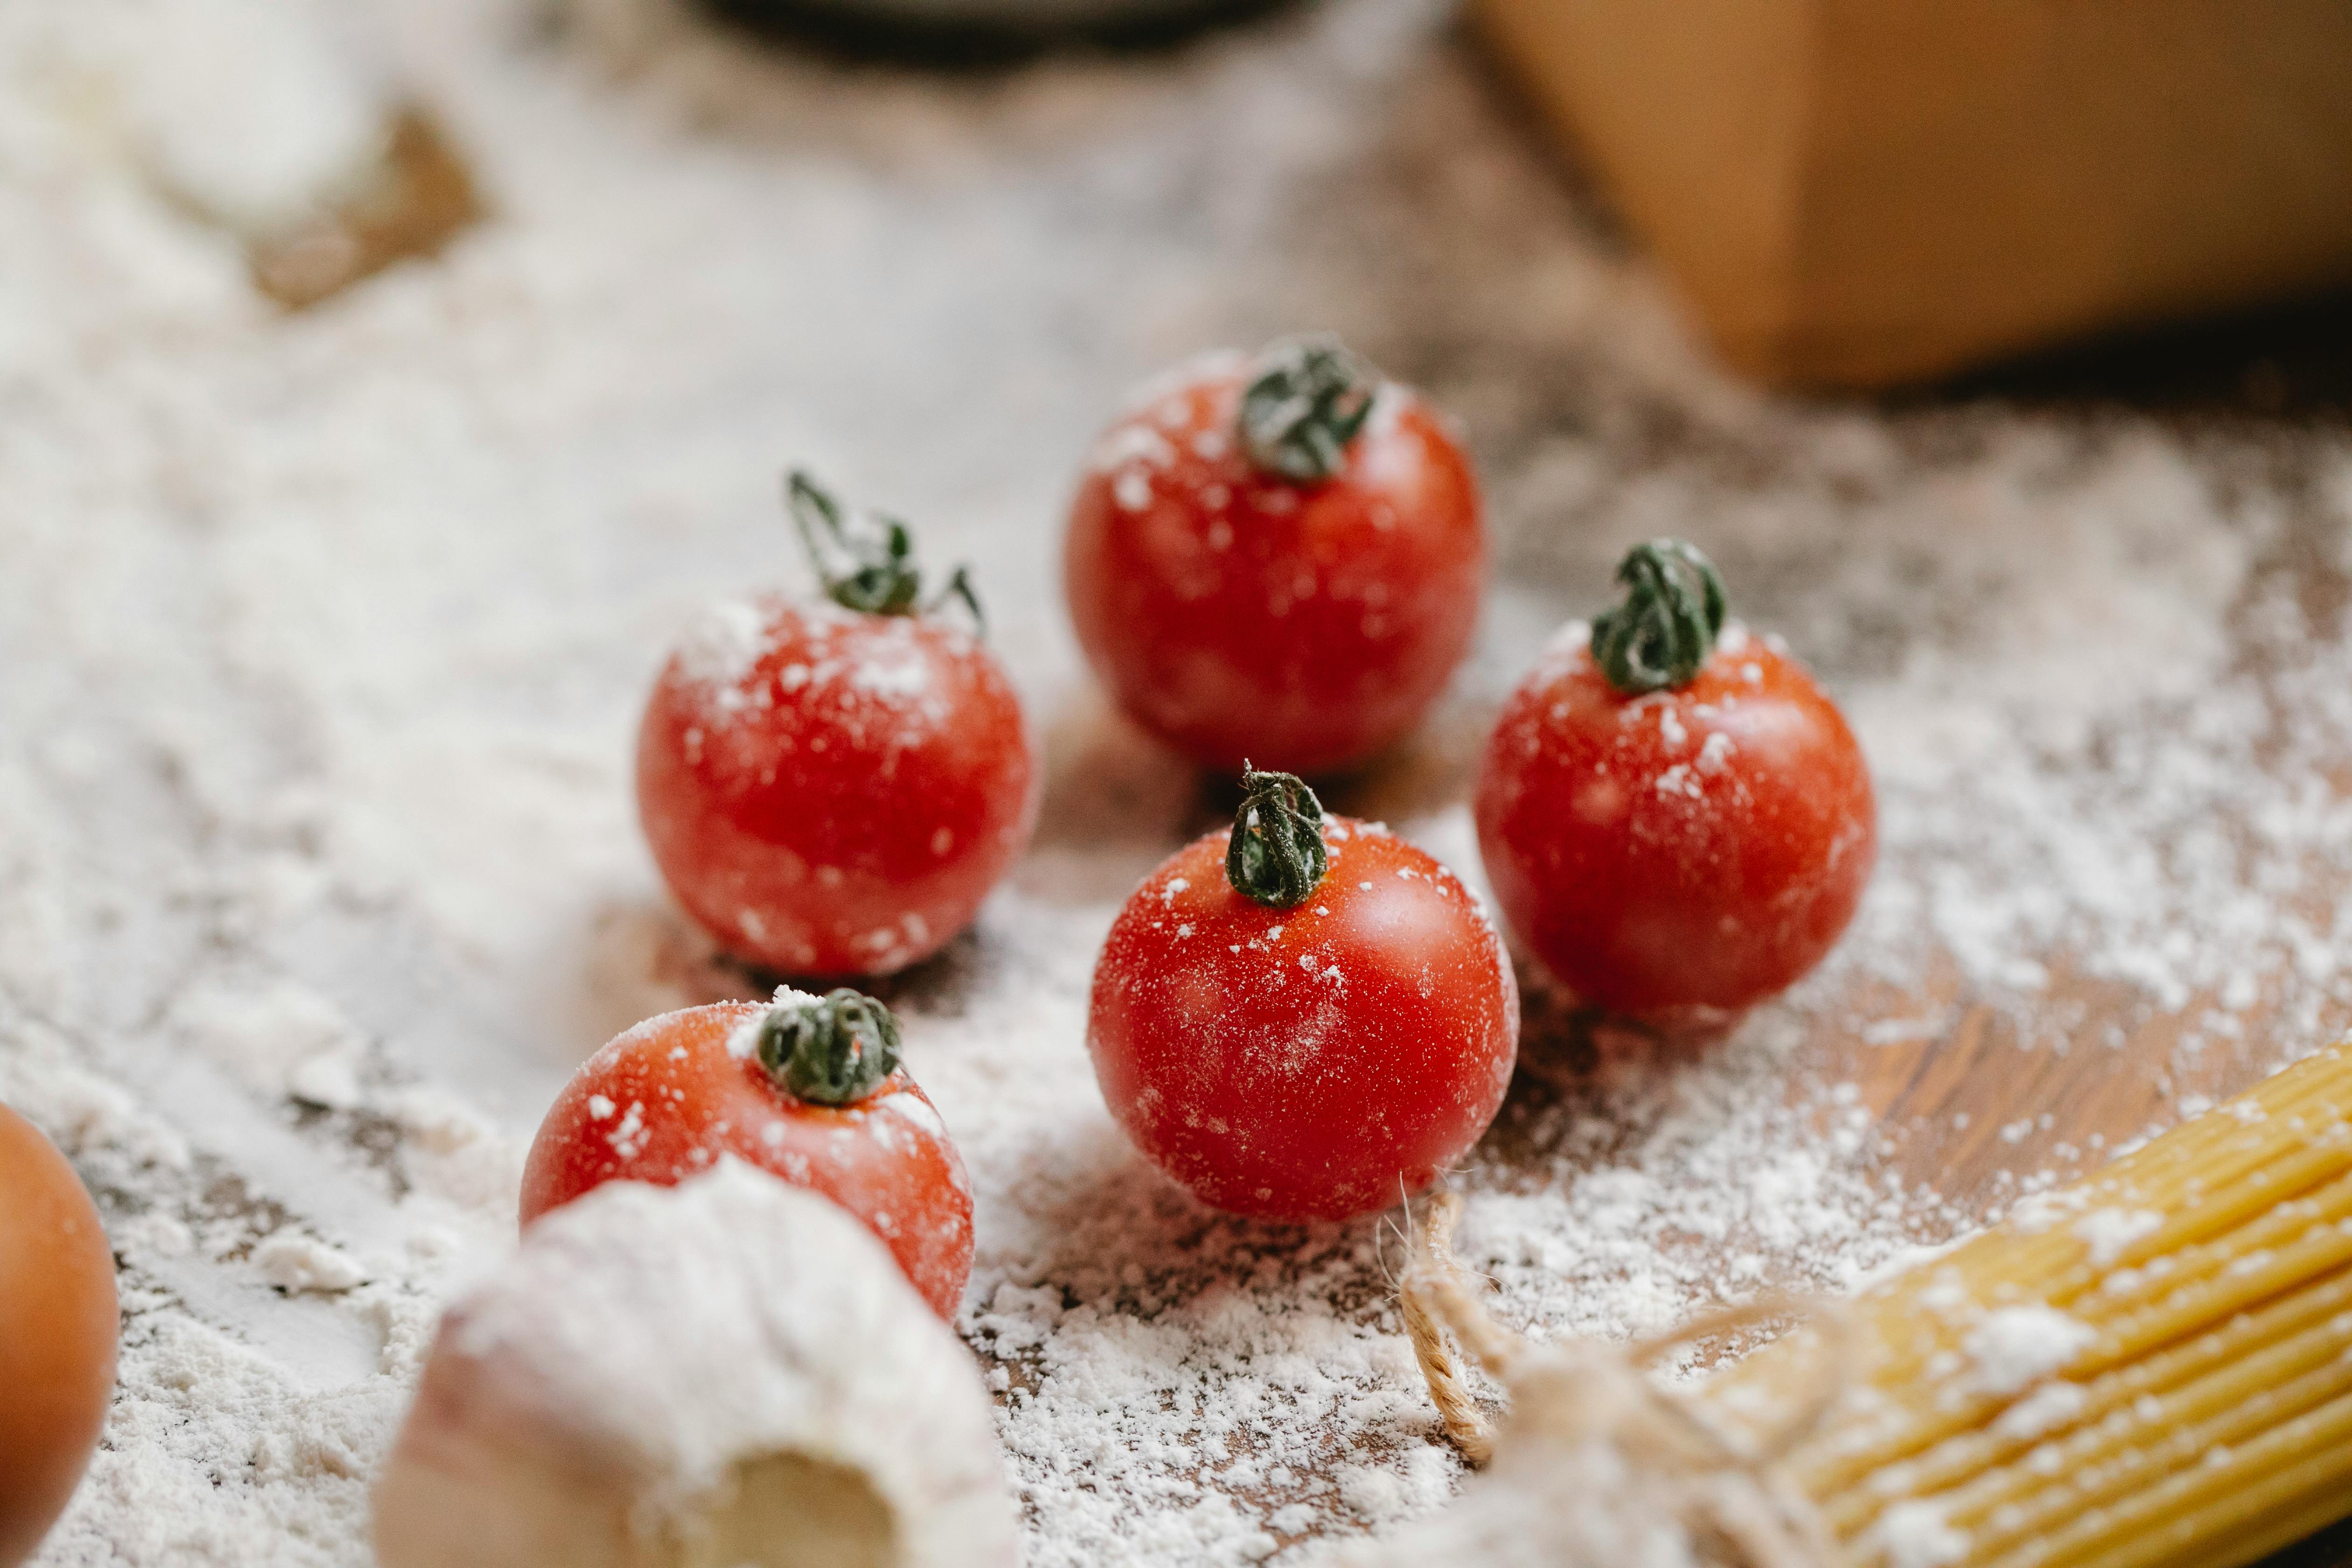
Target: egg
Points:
(58, 1324)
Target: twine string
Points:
(1739, 1510)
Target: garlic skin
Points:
(727, 1374)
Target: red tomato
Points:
(663, 1101)
(831, 790)
(1682, 853)
(1240, 611)
(58, 1324)
(1310, 1061)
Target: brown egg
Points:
(58, 1323)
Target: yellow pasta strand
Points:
(2122, 1411)
(2150, 1369)
(2191, 1508)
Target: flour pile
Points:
(323, 636)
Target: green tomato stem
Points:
(1305, 403)
(1660, 636)
(1276, 854)
(866, 561)
(833, 1049)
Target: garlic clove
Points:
(727, 1373)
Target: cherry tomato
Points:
(1318, 1045)
(1279, 561)
(1683, 851)
(806, 1087)
(833, 789)
(59, 1324)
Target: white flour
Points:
(322, 641)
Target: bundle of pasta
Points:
(2152, 1369)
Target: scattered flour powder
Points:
(321, 638)
(2016, 1347)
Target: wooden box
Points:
(1856, 193)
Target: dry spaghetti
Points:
(2150, 1369)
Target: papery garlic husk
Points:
(727, 1373)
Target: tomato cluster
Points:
(1283, 560)
(1302, 1017)
(829, 789)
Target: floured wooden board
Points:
(323, 634)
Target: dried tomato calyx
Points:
(833, 1049)
(1307, 401)
(1662, 634)
(866, 560)
(1276, 854)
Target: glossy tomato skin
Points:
(1308, 1063)
(1240, 616)
(1682, 855)
(830, 793)
(58, 1325)
(663, 1101)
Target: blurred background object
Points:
(409, 201)
(1850, 193)
(272, 119)
(953, 35)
